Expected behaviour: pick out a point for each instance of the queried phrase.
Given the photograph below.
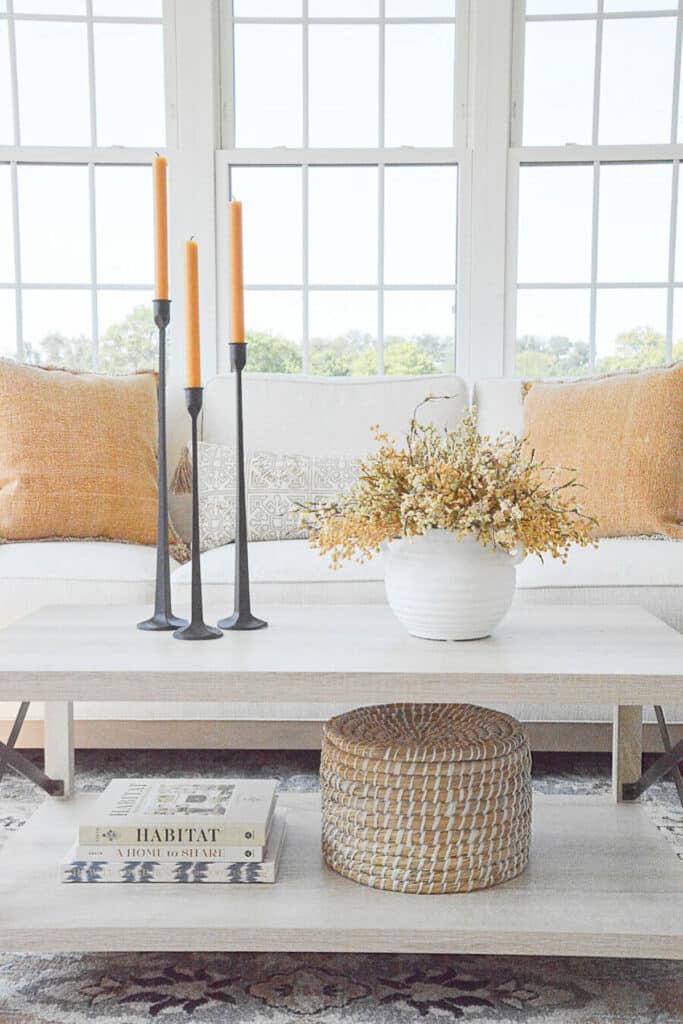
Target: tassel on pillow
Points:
(182, 477)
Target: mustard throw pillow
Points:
(623, 434)
(77, 455)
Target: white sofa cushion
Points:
(319, 415)
(617, 561)
(73, 572)
(498, 402)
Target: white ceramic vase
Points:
(444, 588)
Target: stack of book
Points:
(180, 830)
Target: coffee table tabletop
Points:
(345, 653)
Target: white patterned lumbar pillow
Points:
(275, 483)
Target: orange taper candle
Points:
(160, 229)
(236, 277)
(192, 360)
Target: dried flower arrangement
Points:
(455, 480)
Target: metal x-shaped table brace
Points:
(22, 765)
(670, 761)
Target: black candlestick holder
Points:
(163, 617)
(242, 617)
(197, 628)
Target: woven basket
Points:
(356, 767)
(426, 798)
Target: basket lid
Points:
(432, 733)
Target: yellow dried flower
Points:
(460, 481)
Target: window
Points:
(76, 139)
(597, 261)
(349, 170)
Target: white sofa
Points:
(320, 416)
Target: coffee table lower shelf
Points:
(602, 882)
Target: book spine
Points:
(187, 834)
(180, 852)
(183, 872)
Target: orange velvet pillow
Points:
(623, 434)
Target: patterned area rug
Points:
(330, 989)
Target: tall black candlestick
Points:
(242, 617)
(197, 629)
(163, 617)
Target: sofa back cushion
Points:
(324, 415)
(622, 436)
(498, 404)
(78, 455)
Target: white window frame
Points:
(381, 157)
(91, 156)
(594, 155)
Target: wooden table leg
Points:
(627, 746)
(59, 743)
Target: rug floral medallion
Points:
(218, 988)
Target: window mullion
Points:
(677, 74)
(597, 73)
(91, 75)
(18, 297)
(14, 74)
(670, 294)
(94, 313)
(381, 107)
(594, 266)
(380, 268)
(304, 271)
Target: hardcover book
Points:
(73, 870)
(183, 812)
(168, 852)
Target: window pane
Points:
(343, 85)
(127, 8)
(123, 198)
(677, 334)
(633, 230)
(268, 109)
(267, 8)
(637, 80)
(555, 212)
(55, 225)
(678, 269)
(49, 6)
(130, 106)
(419, 116)
(419, 332)
(7, 274)
(342, 225)
(52, 69)
(8, 323)
(343, 8)
(558, 82)
(58, 328)
(274, 328)
(420, 225)
(6, 125)
(128, 337)
(343, 333)
(420, 8)
(639, 5)
(273, 237)
(561, 6)
(630, 328)
(552, 332)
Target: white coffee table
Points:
(602, 880)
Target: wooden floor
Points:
(602, 882)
